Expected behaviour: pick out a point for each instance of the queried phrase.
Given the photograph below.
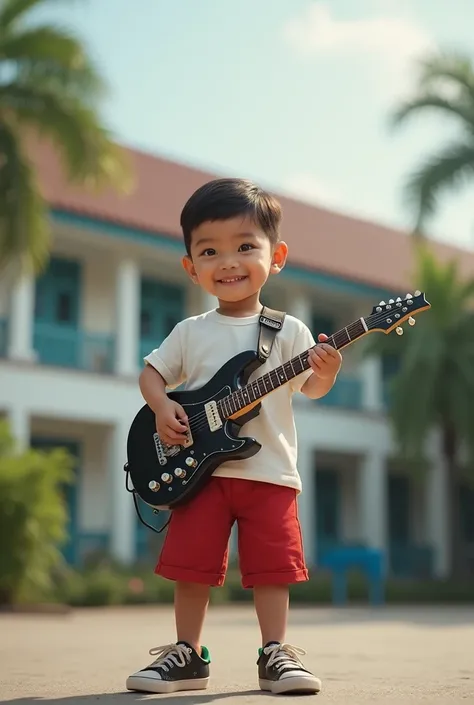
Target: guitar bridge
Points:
(213, 418)
(165, 450)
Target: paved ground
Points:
(414, 655)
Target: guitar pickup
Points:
(213, 418)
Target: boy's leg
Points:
(194, 555)
(271, 558)
(190, 607)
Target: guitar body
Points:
(165, 477)
(168, 476)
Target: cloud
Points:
(388, 42)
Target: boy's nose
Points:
(228, 263)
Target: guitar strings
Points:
(199, 421)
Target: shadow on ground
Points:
(129, 698)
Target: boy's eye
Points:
(245, 247)
(209, 252)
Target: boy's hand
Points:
(171, 422)
(325, 361)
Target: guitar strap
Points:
(271, 321)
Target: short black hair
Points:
(222, 199)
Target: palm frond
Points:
(45, 53)
(12, 11)
(445, 170)
(426, 102)
(453, 69)
(89, 154)
(24, 229)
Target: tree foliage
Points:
(33, 518)
(445, 86)
(49, 88)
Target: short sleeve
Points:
(167, 359)
(303, 341)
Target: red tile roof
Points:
(318, 239)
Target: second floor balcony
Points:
(68, 318)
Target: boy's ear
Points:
(280, 253)
(188, 266)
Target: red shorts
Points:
(270, 544)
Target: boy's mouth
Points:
(231, 280)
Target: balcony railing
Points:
(346, 393)
(66, 347)
(3, 337)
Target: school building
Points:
(72, 343)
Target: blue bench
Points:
(344, 558)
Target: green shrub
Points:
(111, 585)
(33, 518)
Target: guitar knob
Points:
(398, 331)
(411, 321)
(166, 477)
(179, 472)
(191, 462)
(154, 485)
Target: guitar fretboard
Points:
(260, 387)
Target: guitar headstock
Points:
(388, 316)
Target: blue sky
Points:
(293, 93)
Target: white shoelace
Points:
(170, 655)
(282, 655)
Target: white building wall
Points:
(100, 407)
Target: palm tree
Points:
(434, 386)
(48, 88)
(446, 86)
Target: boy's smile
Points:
(232, 259)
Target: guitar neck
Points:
(246, 397)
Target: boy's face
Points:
(232, 259)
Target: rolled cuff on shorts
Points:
(187, 575)
(288, 578)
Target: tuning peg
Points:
(411, 321)
(398, 299)
(417, 293)
(409, 296)
(391, 301)
(382, 303)
(398, 330)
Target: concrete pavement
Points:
(392, 655)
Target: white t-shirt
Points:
(196, 349)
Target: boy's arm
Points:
(153, 387)
(315, 387)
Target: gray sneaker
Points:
(281, 671)
(176, 667)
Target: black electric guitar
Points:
(165, 476)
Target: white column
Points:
(437, 515)
(306, 500)
(123, 515)
(19, 421)
(127, 318)
(300, 307)
(371, 373)
(373, 501)
(21, 319)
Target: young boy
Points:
(231, 233)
